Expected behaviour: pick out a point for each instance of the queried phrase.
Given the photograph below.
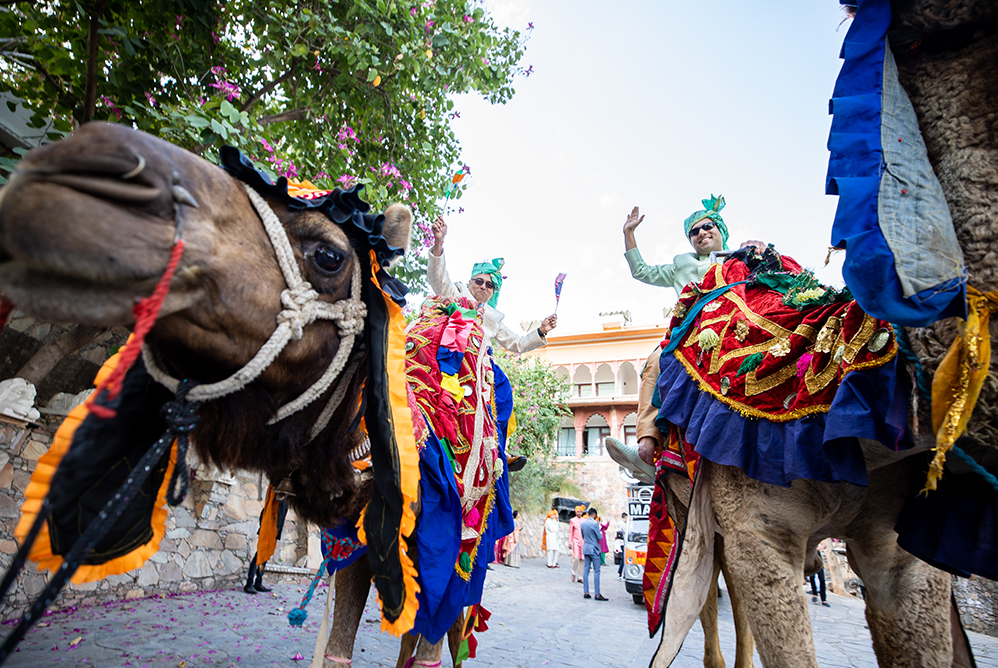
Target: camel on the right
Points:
(910, 509)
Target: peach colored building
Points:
(602, 367)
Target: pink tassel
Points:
(803, 363)
(471, 519)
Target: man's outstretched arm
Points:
(662, 274)
(436, 267)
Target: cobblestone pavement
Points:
(539, 619)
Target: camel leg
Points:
(407, 645)
(427, 655)
(765, 558)
(353, 583)
(744, 642)
(907, 606)
(454, 638)
(907, 601)
(712, 657)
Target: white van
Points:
(636, 539)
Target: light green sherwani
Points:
(684, 269)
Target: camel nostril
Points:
(138, 169)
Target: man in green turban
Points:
(484, 285)
(707, 233)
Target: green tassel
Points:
(751, 363)
(465, 562)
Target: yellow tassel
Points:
(957, 382)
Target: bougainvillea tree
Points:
(357, 91)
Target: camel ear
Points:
(398, 226)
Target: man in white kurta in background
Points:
(483, 287)
(551, 528)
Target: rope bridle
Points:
(302, 307)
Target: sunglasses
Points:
(480, 282)
(708, 226)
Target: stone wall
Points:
(24, 336)
(209, 540)
(977, 599)
(600, 484)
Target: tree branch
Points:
(93, 42)
(266, 89)
(292, 115)
(65, 99)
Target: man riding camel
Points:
(483, 287)
(707, 233)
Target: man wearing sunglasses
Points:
(706, 232)
(483, 287)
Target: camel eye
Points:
(327, 258)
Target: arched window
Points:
(629, 429)
(596, 432)
(582, 383)
(566, 438)
(628, 378)
(605, 382)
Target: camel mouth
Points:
(66, 272)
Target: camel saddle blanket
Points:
(449, 370)
(777, 346)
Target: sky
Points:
(656, 104)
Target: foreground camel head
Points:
(86, 228)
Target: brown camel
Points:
(86, 228)
(771, 533)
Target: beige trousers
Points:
(646, 391)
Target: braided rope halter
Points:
(302, 307)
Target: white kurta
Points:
(492, 325)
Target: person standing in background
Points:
(591, 536)
(575, 542)
(550, 542)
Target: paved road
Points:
(539, 619)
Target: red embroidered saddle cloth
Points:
(451, 378)
(776, 349)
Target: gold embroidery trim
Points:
(746, 410)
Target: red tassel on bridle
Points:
(6, 308)
(146, 311)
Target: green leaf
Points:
(372, 74)
(197, 122)
(440, 40)
(226, 108)
(219, 129)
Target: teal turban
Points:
(711, 209)
(492, 269)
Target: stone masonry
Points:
(209, 540)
